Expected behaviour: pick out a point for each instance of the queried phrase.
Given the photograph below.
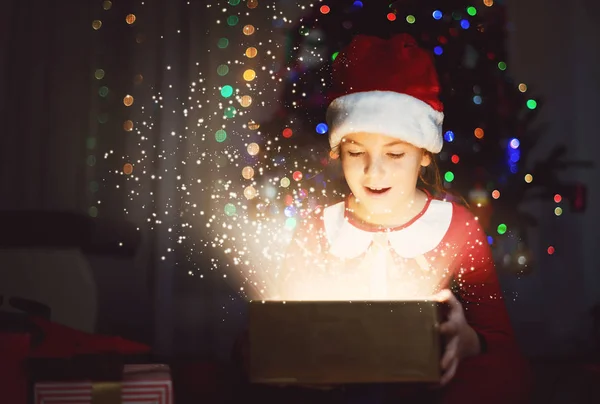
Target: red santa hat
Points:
(389, 87)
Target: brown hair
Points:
(430, 179)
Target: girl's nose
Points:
(374, 167)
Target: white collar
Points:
(418, 238)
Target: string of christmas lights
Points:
(254, 178)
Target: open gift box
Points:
(339, 342)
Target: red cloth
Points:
(64, 342)
(498, 378)
(14, 348)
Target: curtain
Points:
(110, 109)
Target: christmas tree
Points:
(489, 118)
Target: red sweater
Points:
(443, 246)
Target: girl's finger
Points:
(449, 374)
(443, 295)
(450, 353)
(452, 301)
(449, 328)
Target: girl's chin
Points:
(374, 209)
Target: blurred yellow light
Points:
(246, 101)
(253, 149)
(250, 192)
(249, 75)
(248, 172)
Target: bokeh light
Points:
(253, 149)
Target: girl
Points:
(391, 238)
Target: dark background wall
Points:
(48, 56)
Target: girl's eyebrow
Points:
(351, 142)
(392, 143)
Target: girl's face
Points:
(382, 173)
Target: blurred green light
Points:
(472, 11)
(232, 20)
(334, 56)
(91, 143)
(223, 43)
(94, 186)
(222, 70)
(290, 223)
(449, 176)
(410, 19)
(227, 91)
(531, 104)
(220, 135)
(502, 66)
(230, 112)
(502, 228)
(230, 209)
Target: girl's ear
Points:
(426, 159)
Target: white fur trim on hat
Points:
(387, 113)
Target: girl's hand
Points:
(461, 340)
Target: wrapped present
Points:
(339, 342)
(149, 384)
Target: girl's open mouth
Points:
(377, 191)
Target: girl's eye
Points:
(355, 154)
(396, 155)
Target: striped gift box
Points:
(141, 384)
